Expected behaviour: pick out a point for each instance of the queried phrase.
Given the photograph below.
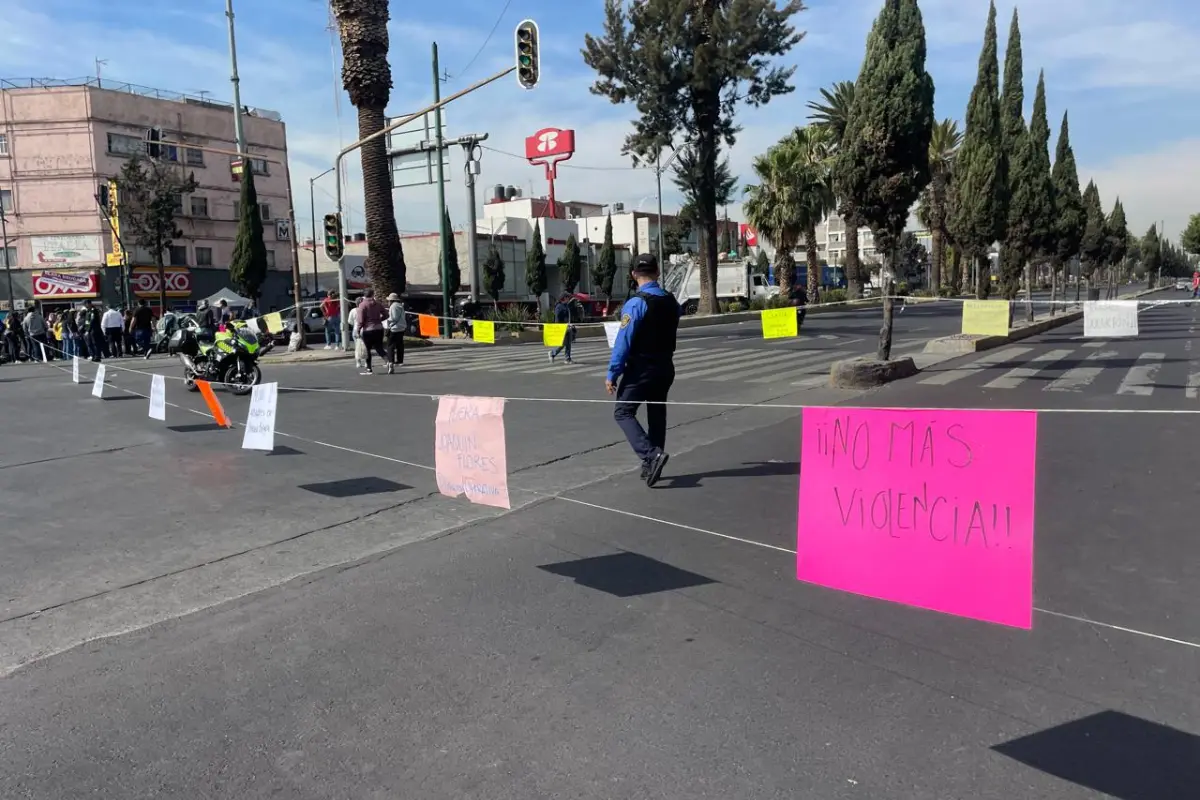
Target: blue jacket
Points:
(631, 314)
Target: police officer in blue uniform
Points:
(642, 368)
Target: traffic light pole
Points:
(443, 234)
(337, 167)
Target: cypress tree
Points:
(605, 268)
(1118, 242)
(248, 264)
(1031, 209)
(1094, 241)
(980, 184)
(1151, 255)
(1015, 250)
(535, 265)
(1068, 204)
(452, 269)
(570, 265)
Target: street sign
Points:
(416, 168)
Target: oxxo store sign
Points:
(144, 282)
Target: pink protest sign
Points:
(469, 457)
(933, 509)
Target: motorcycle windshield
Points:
(247, 336)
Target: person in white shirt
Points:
(352, 322)
(112, 322)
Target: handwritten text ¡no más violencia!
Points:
(469, 450)
(929, 508)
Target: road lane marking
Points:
(1193, 386)
(1139, 380)
(1074, 380)
(1015, 377)
(975, 367)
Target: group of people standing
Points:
(88, 331)
(373, 328)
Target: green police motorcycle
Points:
(230, 359)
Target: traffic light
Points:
(529, 57)
(333, 237)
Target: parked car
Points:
(1183, 285)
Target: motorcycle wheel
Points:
(241, 378)
(189, 380)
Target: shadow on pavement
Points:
(284, 450)
(203, 426)
(354, 487)
(748, 470)
(1115, 754)
(626, 575)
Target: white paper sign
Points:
(1106, 319)
(260, 423)
(98, 384)
(611, 329)
(75, 369)
(158, 398)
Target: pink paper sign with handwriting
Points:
(932, 509)
(469, 453)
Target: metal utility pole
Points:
(472, 153)
(238, 131)
(7, 260)
(300, 329)
(443, 241)
(312, 207)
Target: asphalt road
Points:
(318, 623)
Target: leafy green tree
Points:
(688, 177)
(452, 270)
(1070, 217)
(1031, 208)
(1117, 246)
(726, 241)
(570, 265)
(367, 79)
(833, 113)
(1095, 234)
(1015, 251)
(151, 194)
(884, 156)
(535, 265)
(688, 67)
(943, 148)
(980, 188)
(248, 264)
(605, 269)
(912, 259)
(1191, 235)
(762, 264)
(493, 274)
(1151, 255)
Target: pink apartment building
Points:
(60, 140)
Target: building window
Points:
(259, 166)
(178, 255)
(195, 158)
(199, 206)
(178, 209)
(6, 200)
(168, 152)
(3, 144)
(203, 256)
(264, 211)
(8, 257)
(271, 259)
(121, 145)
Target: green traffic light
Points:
(526, 61)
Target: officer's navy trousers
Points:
(650, 387)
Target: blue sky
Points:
(1128, 74)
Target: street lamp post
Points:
(312, 207)
(238, 130)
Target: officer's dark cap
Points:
(645, 264)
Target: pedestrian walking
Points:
(35, 329)
(371, 315)
(143, 327)
(14, 334)
(642, 367)
(331, 309)
(111, 322)
(395, 331)
(562, 314)
(97, 348)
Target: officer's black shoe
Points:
(654, 467)
(645, 469)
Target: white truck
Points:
(734, 282)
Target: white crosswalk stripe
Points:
(978, 365)
(1015, 377)
(1079, 378)
(1140, 378)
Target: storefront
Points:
(58, 290)
(144, 284)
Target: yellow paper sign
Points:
(985, 317)
(554, 333)
(483, 330)
(428, 325)
(779, 323)
(274, 322)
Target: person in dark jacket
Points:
(642, 367)
(562, 315)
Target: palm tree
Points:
(814, 188)
(832, 113)
(367, 78)
(943, 146)
(772, 206)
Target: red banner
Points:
(61, 284)
(144, 281)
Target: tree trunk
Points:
(983, 277)
(1053, 288)
(385, 259)
(937, 257)
(1028, 292)
(889, 290)
(854, 274)
(785, 267)
(954, 282)
(813, 257)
